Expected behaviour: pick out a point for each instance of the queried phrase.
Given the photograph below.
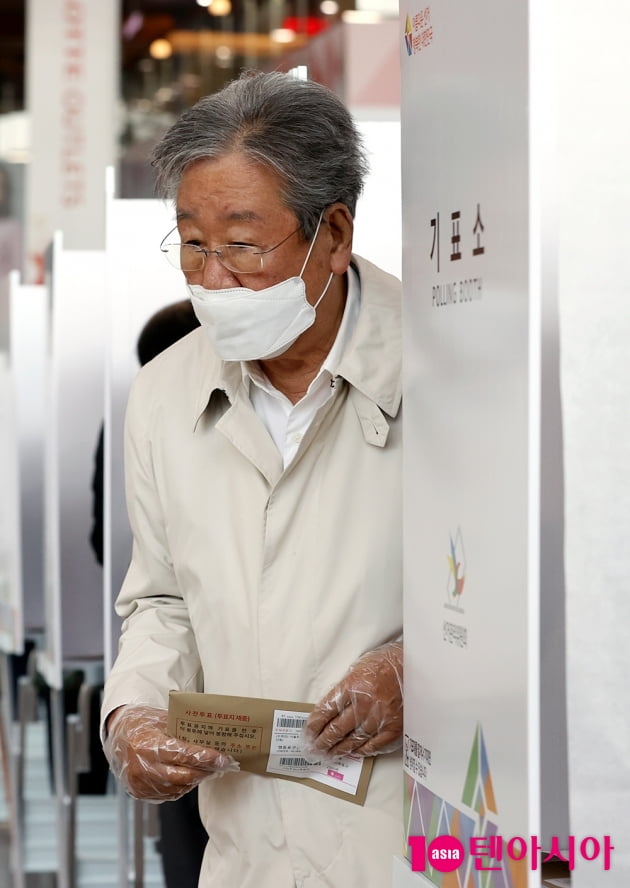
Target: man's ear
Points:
(341, 226)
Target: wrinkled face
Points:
(233, 200)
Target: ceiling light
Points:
(282, 35)
(220, 7)
(329, 7)
(223, 56)
(161, 49)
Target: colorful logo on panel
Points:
(429, 815)
(456, 577)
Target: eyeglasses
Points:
(241, 258)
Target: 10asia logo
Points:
(446, 853)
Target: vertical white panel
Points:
(473, 285)
(594, 196)
(546, 438)
(29, 306)
(139, 282)
(72, 51)
(11, 609)
(378, 224)
(73, 579)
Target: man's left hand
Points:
(363, 713)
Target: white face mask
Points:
(254, 325)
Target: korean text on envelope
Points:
(265, 737)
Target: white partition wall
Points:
(377, 224)
(139, 282)
(73, 582)
(516, 178)
(28, 322)
(593, 186)
(72, 61)
(11, 609)
(475, 283)
(22, 431)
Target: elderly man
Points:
(263, 485)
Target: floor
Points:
(97, 850)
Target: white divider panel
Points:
(378, 223)
(475, 285)
(75, 385)
(593, 183)
(11, 609)
(11, 592)
(72, 77)
(28, 311)
(139, 282)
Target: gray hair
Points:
(299, 128)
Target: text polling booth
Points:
(485, 752)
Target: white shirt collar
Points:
(287, 423)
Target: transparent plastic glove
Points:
(363, 713)
(150, 764)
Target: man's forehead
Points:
(230, 189)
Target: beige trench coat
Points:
(251, 580)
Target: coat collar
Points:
(372, 360)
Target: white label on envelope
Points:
(286, 756)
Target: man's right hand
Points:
(150, 764)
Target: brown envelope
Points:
(263, 735)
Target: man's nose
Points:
(215, 276)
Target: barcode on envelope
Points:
(294, 762)
(286, 722)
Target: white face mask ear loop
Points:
(308, 256)
(310, 249)
(332, 274)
